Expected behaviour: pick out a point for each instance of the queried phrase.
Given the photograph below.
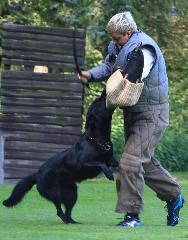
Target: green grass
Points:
(35, 218)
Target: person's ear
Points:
(129, 33)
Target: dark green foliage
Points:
(173, 152)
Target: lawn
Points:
(35, 218)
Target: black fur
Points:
(135, 65)
(56, 179)
(19, 190)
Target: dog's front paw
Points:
(73, 222)
(107, 172)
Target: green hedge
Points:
(173, 152)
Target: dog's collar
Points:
(106, 147)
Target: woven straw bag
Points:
(120, 92)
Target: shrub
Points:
(172, 151)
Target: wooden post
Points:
(1, 159)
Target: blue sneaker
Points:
(130, 222)
(173, 207)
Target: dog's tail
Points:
(19, 191)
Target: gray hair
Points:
(121, 23)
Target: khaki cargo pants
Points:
(138, 166)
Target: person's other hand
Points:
(85, 77)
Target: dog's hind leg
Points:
(55, 197)
(60, 212)
(69, 198)
(53, 194)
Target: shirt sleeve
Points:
(149, 60)
(101, 71)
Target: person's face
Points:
(121, 39)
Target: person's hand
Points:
(85, 77)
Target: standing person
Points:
(144, 123)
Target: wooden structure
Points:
(41, 113)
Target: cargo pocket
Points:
(130, 163)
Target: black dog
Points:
(92, 154)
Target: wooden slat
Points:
(38, 56)
(28, 155)
(41, 37)
(12, 101)
(41, 85)
(39, 76)
(48, 111)
(65, 66)
(18, 93)
(41, 128)
(20, 163)
(68, 139)
(11, 180)
(42, 57)
(17, 173)
(12, 48)
(80, 33)
(50, 120)
(35, 146)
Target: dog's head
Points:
(98, 120)
(135, 64)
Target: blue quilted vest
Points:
(155, 91)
